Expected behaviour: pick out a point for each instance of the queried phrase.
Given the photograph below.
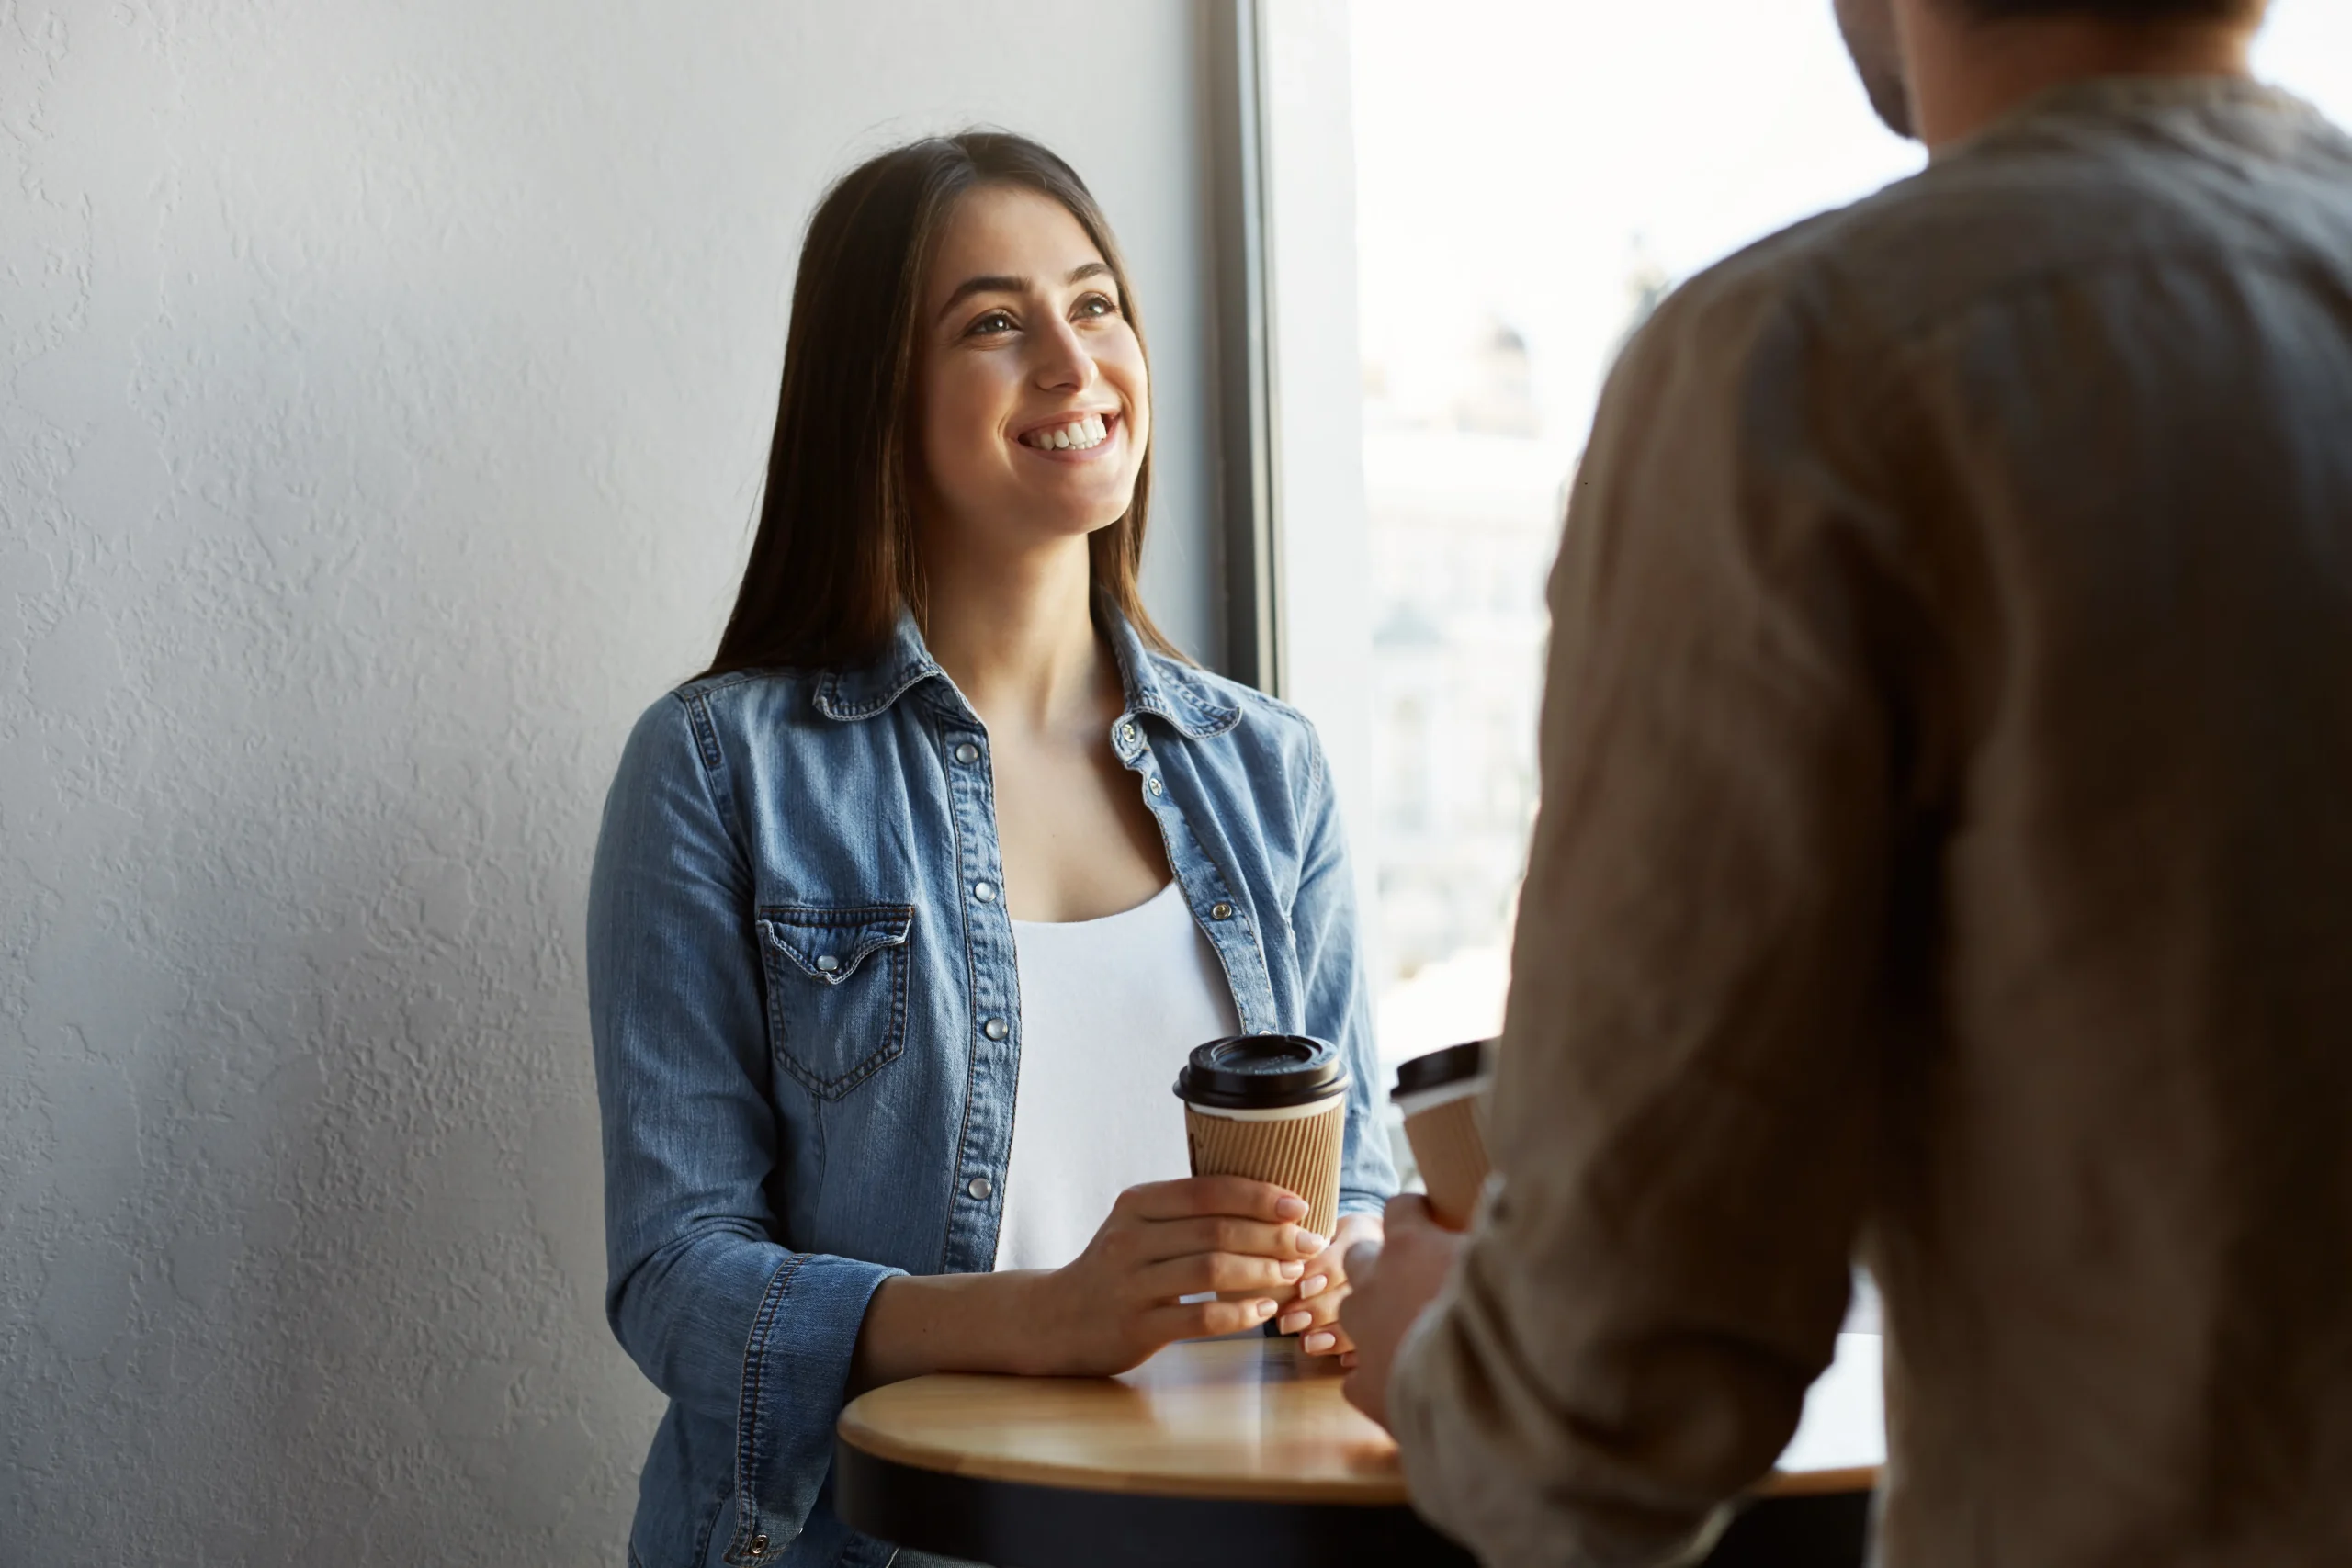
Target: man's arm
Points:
(1684, 1109)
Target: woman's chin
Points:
(1023, 517)
(1064, 516)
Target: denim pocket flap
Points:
(828, 945)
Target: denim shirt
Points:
(807, 1030)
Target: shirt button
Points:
(979, 1187)
(1128, 733)
(985, 891)
(1220, 911)
(1153, 787)
(968, 754)
(995, 1029)
(759, 1545)
(828, 963)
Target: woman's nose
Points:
(1063, 362)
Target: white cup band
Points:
(1423, 1099)
(1275, 1113)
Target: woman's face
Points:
(1036, 402)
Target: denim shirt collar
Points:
(1154, 684)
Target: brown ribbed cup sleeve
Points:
(1450, 1146)
(1301, 1155)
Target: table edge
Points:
(893, 1449)
(1819, 1483)
(1388, 1493)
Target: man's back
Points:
(1948, 841)
(2114, 1221)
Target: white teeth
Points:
(1089, 429)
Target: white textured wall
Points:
(383, 385)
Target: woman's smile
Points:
(1085, 436)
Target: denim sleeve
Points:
(1335, 993)
(730, 1325)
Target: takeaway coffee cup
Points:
(1272, 1108)
(1442, 1096)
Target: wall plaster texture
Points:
(383, 388)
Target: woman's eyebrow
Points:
(1000, 283)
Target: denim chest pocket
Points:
(837, 990)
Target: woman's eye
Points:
(1098, 305)
(993, 323)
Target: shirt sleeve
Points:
(1682, 1117)
(1337, 997)
(722, 1317)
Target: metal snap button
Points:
(968, 754)
(984, 892)
(1128, 733)
(828, 963)
(979, 1187)
(995, 1029)
(1220, 911)
(759, 1545)
(1154, 787)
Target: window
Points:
(1531, 179)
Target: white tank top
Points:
(1109, 1011)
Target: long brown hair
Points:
(834, 559)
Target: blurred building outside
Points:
(1466, 500)
(1520, 211)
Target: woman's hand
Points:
(1118, 1303)
(1111, 1307)
(1324, 1286)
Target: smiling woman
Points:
(907, 912)
(897, 289)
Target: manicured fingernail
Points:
(1315, 1343)
(1315, 1286)
(1293, 1270)
(1295, 1322)
(1311, 1243)
(1291, 1208)
(1262, 1309)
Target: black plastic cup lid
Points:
(1439, 1069)
(1262, 1072)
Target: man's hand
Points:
(1393, 1283)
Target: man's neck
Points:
(1965, 74)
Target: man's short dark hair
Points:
(2117, 10)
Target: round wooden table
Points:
(1242, 1454)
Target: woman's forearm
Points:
(918, 1323)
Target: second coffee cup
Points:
(1272, 1108)
(1442, 1096)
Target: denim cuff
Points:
(796, 1373)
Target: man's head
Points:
(1874, 40)
(1877, 49)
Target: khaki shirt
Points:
(1946, 859)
